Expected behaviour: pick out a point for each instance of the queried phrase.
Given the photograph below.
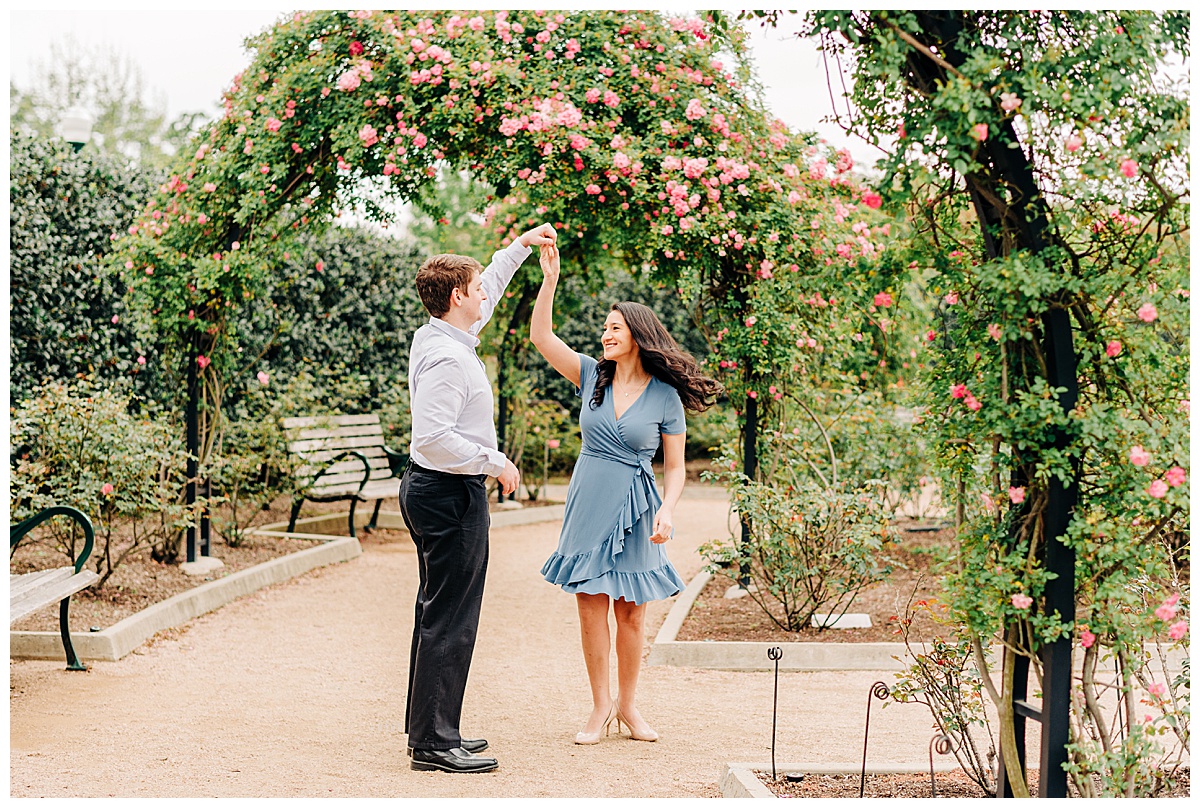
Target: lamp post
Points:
(75, 127)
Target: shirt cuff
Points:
(496, 461)
(518, 250)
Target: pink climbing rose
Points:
(1139, 456)
(263, 378)
(1022, 601)
(1148, 313)
(1129, 168)
(1175, 476)
(106, 489)
(994, 331)
(203, 361)
(1074, 142)
(979, 131)
(1017, 495)
(883, 300)
(1086, 638)
(1178, 630)
(1157, 489)
(1113, 348)
(958, 390)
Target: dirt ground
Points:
(298, 690)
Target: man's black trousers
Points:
(447, 517)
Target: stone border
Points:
(738, 780)
(332, 524)
(797, 656)
(752, 656)
(120, 638)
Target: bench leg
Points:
(353, 504)
(73, 663)
(296, 503)
(374, 515)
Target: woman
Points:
(615, 523)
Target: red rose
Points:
(356, 48)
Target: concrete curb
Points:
(118, 640)
(333, 524)
(738, 780)
(752, 656)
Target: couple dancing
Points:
(615, 523)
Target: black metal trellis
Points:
(880, 691)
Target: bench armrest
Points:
(18, 531)
(351, 453)
(397, 461)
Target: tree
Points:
(109, 85)
(1044, 162)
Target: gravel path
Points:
(298, 690)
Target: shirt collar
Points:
(454, 333)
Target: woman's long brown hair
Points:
(662, 358)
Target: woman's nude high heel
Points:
(649, 735)
(594, 737)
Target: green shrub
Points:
(79, 445)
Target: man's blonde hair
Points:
(440, 276)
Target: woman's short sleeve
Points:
(587, 376)
(673, 419)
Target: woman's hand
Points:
(662, 526)
(548, 256)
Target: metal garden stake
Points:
(774, 653)
(880, 691)
(943, 744)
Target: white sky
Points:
(187, 57)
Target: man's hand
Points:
(542, 234)
(510, 477)
(662, 526)
(549, 260)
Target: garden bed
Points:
(914, 576)
(140, 581)
(908, 785)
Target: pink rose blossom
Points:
(994, 331)
(1074, 142)
(210, 187)
(553, 443)
(263, 378)
(883, 300)
(1157, 489)
(141, 360)
(951, 298)
(1129, 168)
(958, 390)
(1086, 638)
(1148, 313)
(273, 124)
(593, 95)
(621, 160)
(695, 110)
(592, 189)
(872, 200)
(1022, 601)
(1016, 495)
(1165, 612)
(1178, 630)
(349, 81)
(320, 266)
(930, 336)
(1113, 347)
(106, 489)
(611, 99)
(368, 135)
(116, 318)
(844, 161)
(1157, 689)
(979, 131)
(973, 404)
(203, 361)
(1175, 476)
(1009, 101)
(1139, 456)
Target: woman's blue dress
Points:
(605, 545)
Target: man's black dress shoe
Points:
(456, 760)
(472, 745)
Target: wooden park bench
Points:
(29, 592)
(342, 457)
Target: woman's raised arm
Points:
(541, 329)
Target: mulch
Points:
(915, 559)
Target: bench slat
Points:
(336, 434)
(348, 466)
(20, 584)
(35, 599)
(341, 481)
(331, 420)
(306, 447)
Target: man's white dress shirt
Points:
(451, 398)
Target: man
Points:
(443, 494)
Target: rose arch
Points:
(637, 133)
